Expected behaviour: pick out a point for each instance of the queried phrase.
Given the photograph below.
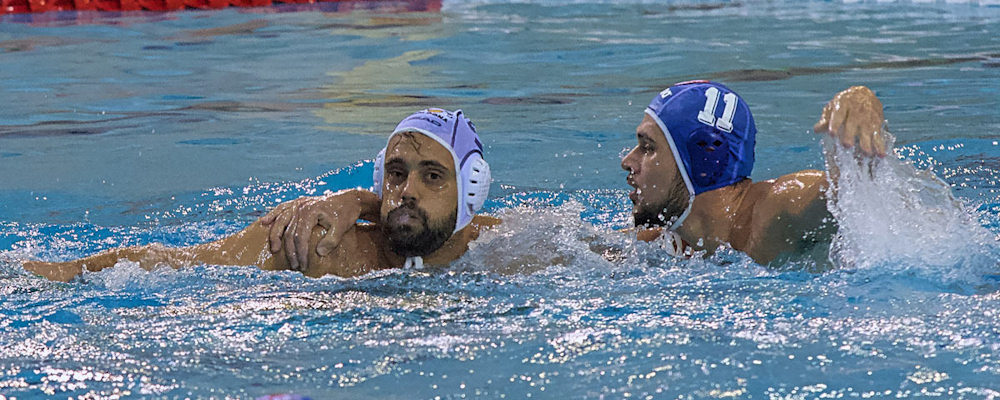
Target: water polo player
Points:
(430, 180)
(691, 169)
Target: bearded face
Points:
(411, 233)
(662, 211)
(420, 195)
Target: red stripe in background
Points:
(41, 6)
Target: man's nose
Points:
(628, 162)
(409, 190)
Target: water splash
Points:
(534, 238)
(895, 218)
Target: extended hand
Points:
(854, 116)
(291, 223)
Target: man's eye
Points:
(395, 175)
(434, 176)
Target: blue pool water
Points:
(180, 128)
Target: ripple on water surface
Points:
(554, 303)
(548, 303)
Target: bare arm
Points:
(243, 248)
(792, 214)
(147, 256)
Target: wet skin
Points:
(419, 171)
(764, 219)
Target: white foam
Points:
(129, 275)
(891, 215)
(533, 238)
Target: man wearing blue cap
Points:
(691, 169)
(430, 180)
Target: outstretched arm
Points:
(244, 248)
(349, 250)
(792, 214)
(147, 256)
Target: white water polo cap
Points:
(457, 134)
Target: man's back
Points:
(764, 219)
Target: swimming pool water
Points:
(180, 128)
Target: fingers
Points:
(272, 215)
(277, 230)
(328, 243)
(370, 206)
(288, 243)
(335, 232)
(836, 126)
(880, 143)
(296, 237)
(868, 129)
(303, 233)
(854, 117)
(292, 224)
(865, 144)
(269, 218)
(823, 125)
(332, 239)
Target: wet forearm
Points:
(148, 258)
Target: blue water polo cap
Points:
(711, 133)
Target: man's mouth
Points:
(405, 216)
(634, 194)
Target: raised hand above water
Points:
(854, 116)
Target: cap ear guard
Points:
(709, 149)
(477, 183)
(378, 173)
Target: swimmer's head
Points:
(695, 137)
(660, 195)
(432, 179)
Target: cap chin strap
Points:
(676, 224)
(416, 262)
(681, 166)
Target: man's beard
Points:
(666, 211)
(409, 241)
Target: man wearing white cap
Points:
(430, 179)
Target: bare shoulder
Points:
(357, 254)
(788, 214)
(792, 193)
